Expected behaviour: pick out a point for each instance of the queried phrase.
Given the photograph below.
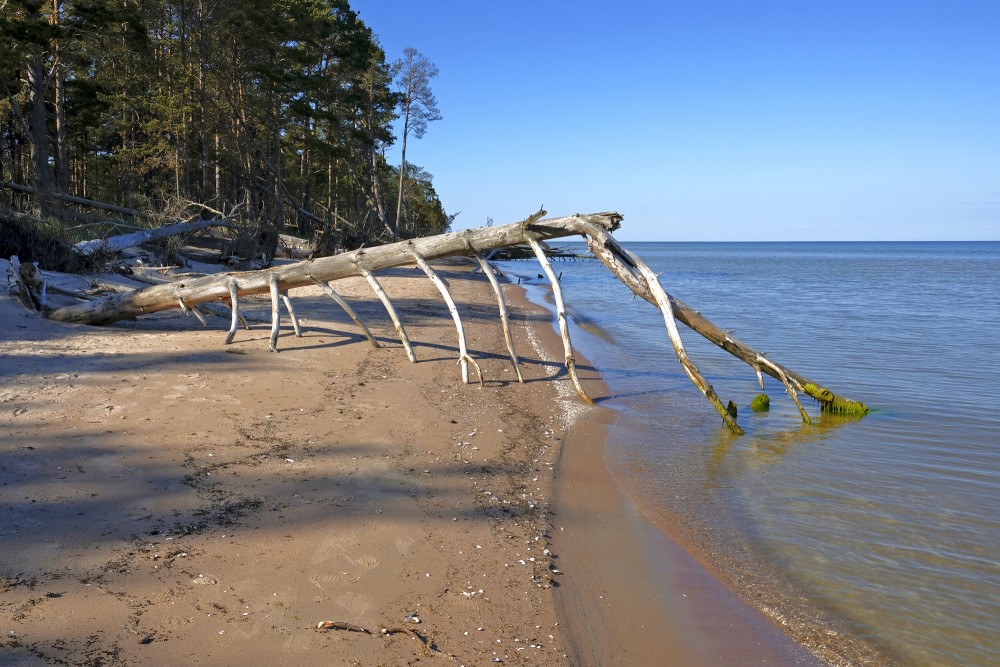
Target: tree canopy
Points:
(280, 110)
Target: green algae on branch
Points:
(760, 403)
(837, 405)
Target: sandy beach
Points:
(170, 499)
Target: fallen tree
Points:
(595, 228)
(114, 244)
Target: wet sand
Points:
(167, 498)
(633, 596)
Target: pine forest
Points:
(272, 115)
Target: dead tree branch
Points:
(596, 228)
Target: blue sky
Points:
(711, 120)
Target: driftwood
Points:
(27, 283)
(426, 647)
(122, 241)
(595, 228)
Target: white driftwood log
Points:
(122, 241)
(596, 228)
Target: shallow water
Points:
(886, 528)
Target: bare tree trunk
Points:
(596, 228)
(402, 173)
(377, 196)
(62, 154)
(218, 169)
(211, 288)
(59, 106)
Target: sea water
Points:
(885, 529)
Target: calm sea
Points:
(884, 530)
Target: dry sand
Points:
(168, 499)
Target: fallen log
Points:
(300, 274)
(596, 228)
(122, 241)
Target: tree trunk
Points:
(116, 243)
(62, 153)
(402, 170)
(596, 228)
(212, 288)
(37, 117)
(377, 197)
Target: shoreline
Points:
(630, 593)
(169, 498)
(720, 548)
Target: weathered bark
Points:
(39, 137)
(28, 283)
(595, 228)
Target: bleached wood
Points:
(122, 241)
(200, 316)
(463, 354)
(273, 282)
(391, 310)
(189, 311)
(788, 387)
(595, 228)
(234, 302)
(619, 261)
(570, 360)
(156, 298)
(663, 302)
(501, 304)
(340, 301)
(291, 315)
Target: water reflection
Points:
(764, 446)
